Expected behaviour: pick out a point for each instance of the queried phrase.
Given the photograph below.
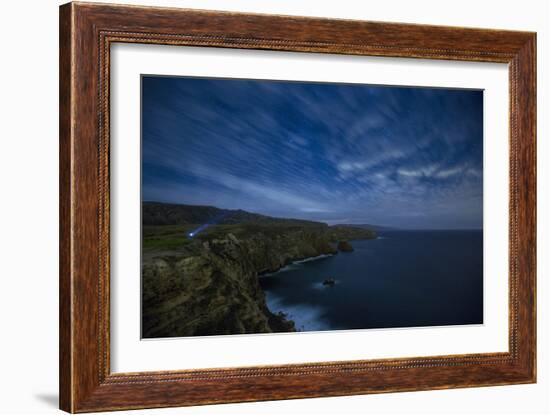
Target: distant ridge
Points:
(158, 213)
(376, 228)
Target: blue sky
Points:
(338, 153)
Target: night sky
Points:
(409, 158)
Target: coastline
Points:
(294, 262)
(357, 302)
(212, 283)
(302, 260)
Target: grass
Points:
(166, 237)
(166, 243)
(174, 237)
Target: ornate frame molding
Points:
(86, 33)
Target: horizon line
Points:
(389, 227)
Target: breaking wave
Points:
(305, 317)
(297, 264)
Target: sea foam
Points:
(305, 317)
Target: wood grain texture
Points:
(65, 246)
(86, 33)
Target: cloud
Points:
(446, 173)
(316, 151)
(414, 173)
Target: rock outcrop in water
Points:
(329, 282)
(208, 284)
(345, 246)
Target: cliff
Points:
(214, 292)
(208, 284)
(156, 213)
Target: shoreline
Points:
(297, 314)
(263, 274)
(296, 261)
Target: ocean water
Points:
(401, 279)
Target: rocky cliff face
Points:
(271, 254)
(215, 292)
(208, 285)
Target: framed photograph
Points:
(258, 207)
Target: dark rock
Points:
(345, 246)
(330, 282)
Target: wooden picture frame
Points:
(86, 33)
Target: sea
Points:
(401, 279)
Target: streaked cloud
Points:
(407, 157)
